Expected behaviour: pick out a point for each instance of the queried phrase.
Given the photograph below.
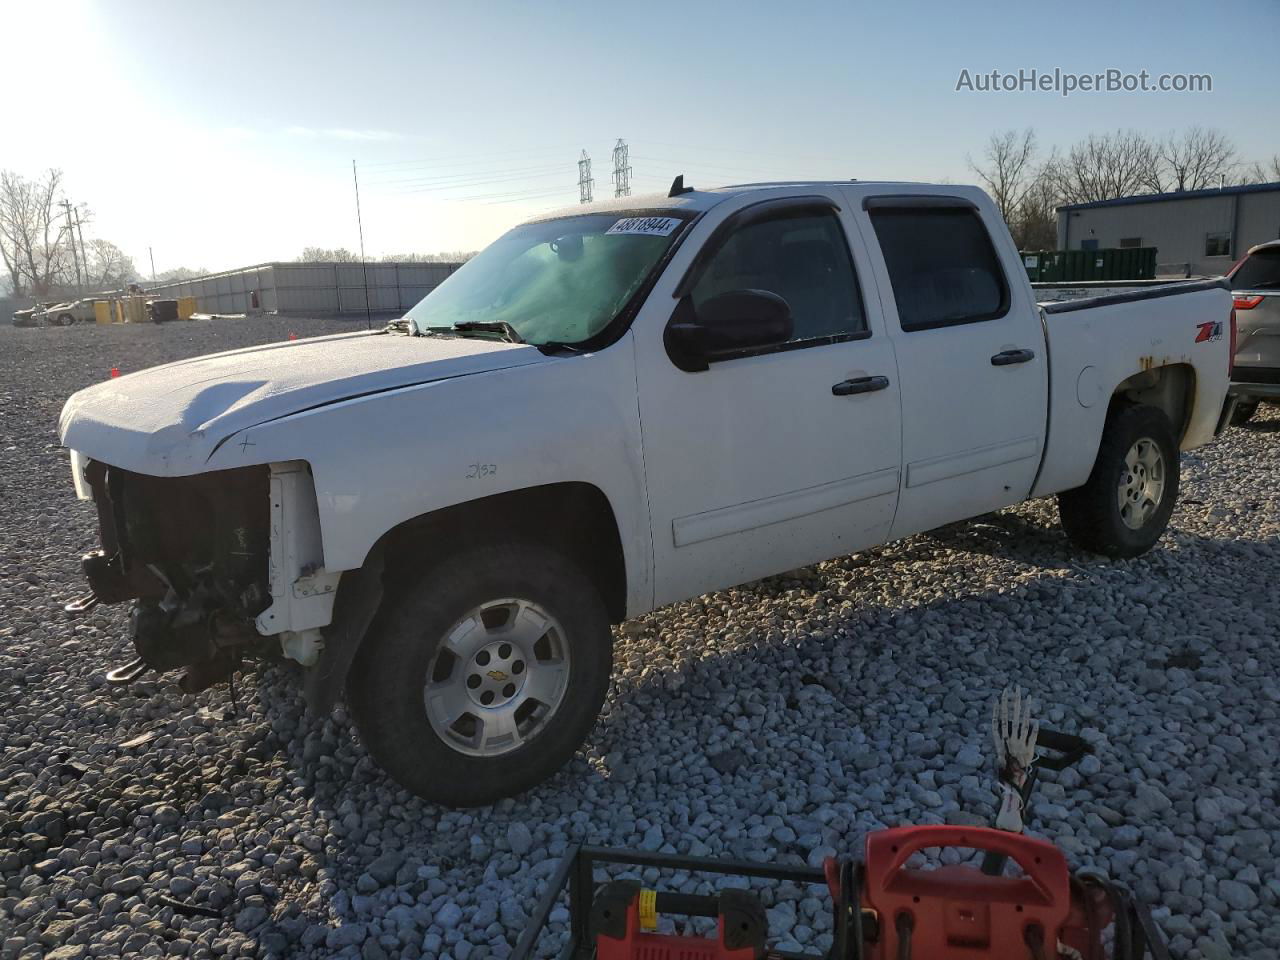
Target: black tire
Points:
(65, 319)
(1243, 413)
(386, 685)
(1091, 514)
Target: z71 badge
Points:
(1209, 331)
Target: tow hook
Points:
(128, 673)
(83, 604)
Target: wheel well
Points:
(1170, 388)
(574, 518)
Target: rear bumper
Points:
(1249, 382)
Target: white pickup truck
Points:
(610, 409)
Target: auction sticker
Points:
(647, 226)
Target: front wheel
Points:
(65, 319)
(1125, 505)
(484, 675)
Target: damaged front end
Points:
(194, 556)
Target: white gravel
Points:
(778, 720)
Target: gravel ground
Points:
(779, 720)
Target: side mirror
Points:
(722, 326)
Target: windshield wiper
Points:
(509, 333)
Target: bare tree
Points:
(1008, 169)
(1106, 166)
(108, 266)
(180, 273)
(1035, 224)
(33, 239)
(13, 283)
(1266, 172)
(1197, 159)
(451, 256)
(327, 255)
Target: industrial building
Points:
(311, 288)
(1196, 232)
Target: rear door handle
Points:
(846, 388)
(1008, 357)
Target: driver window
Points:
(803, 258)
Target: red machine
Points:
(933, 913)
(884, 907)
(624, 919)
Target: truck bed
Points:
(1098, 342)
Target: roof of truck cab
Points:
(698, 200)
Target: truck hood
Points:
(169, 420)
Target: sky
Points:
(222, 133)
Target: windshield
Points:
(556, 281)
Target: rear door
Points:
(970, 352)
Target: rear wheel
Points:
(1243, 413)
(1125, 505)
(484, 675)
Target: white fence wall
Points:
(312, 288)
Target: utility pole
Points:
(584, 178)
(152, 257)
(66, 205)
(368, 310)
(83, 255)
(621, 169)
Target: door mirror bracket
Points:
(725, 326)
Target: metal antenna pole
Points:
(621, 169)
(368, 311)
(585, 182)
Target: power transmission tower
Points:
(621, 169)
(71, 235)
(585, 183)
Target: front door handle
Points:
(1006, 358)
(846, 388)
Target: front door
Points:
(782, 456)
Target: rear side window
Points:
(804, 258)
(1258, 271)
(942, 265)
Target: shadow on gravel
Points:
(856, 690)
(1010, 536)
(1262, 426)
